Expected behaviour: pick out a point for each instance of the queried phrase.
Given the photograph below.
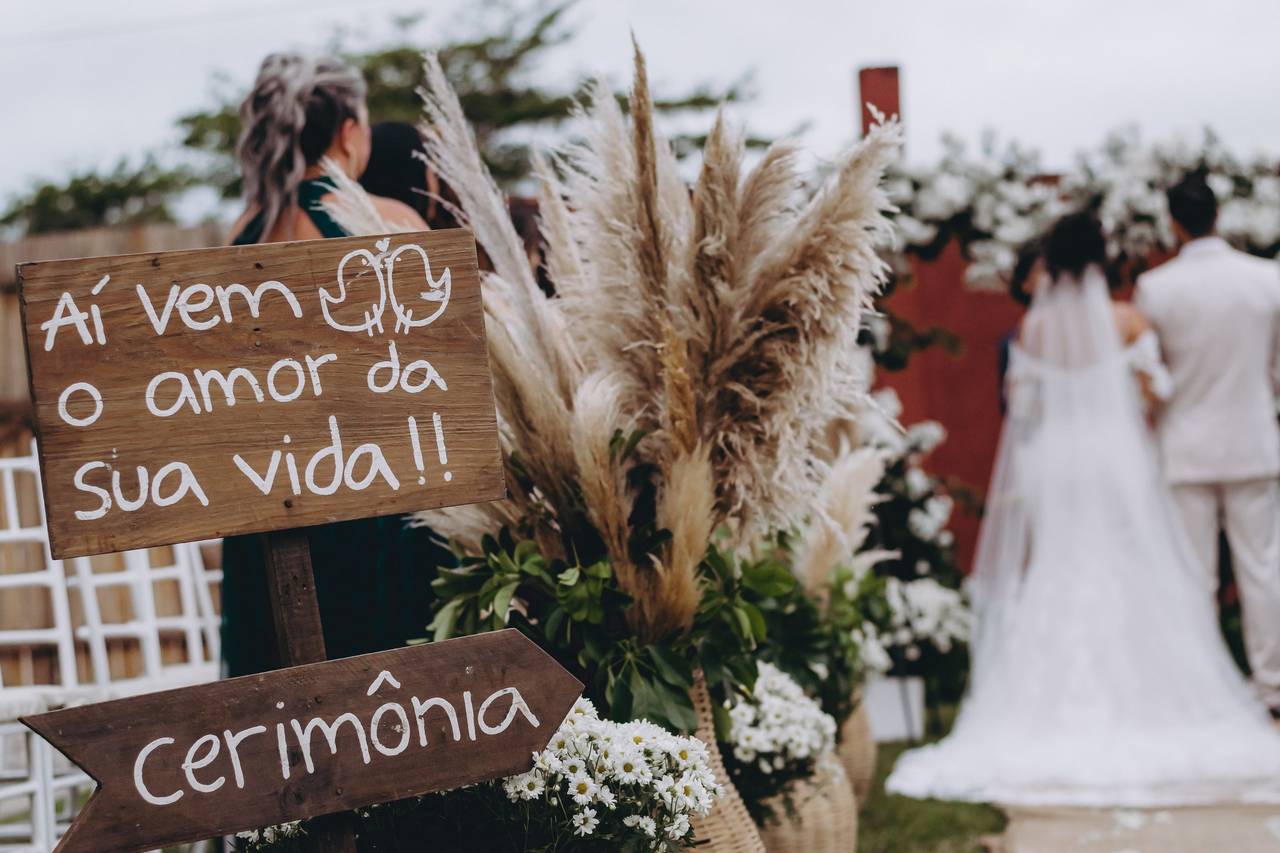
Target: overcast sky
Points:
(84, 82)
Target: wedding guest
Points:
(372, 575)
(398, 171)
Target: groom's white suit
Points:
(1217, 314)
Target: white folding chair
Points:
(40, 791)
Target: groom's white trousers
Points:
(1249, 512)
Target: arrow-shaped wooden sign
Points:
(190, 764)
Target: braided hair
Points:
(289, 120)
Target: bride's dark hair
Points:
(1074, 243)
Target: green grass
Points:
(893, 824)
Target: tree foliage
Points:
(128, 194)
(493, 74)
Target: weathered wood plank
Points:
(166, 763)
(258, 387)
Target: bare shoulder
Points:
(398, 212)
(1129, 320)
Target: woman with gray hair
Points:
(372, 575)
(303, 110)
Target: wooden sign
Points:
(195, 394)
(190, 764)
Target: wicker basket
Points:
(857, 752)
(824, 818)
(728, 828)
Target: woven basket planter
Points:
(857, 752)
(728, 828)
(823, 819)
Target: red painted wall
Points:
(961, 391)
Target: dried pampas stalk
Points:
(354, 209)
(597, 416)
(719, 323)
(841, 517)
(685, 506)
(790, 334)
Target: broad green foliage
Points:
(578, 613)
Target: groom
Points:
(1217, 314)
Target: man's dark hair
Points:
(1073, 244)
(1193, 205)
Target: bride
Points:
(1099, 676)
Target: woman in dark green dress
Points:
(372, 575)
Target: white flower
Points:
(927, 611)
(926, 435)
(606, 798)
(585, 822)
(927, 522)
(644, 823)
(582, 788)
(529, 786)
(597, 763)
(918, 482)
(777, 725)
(678, 828)
(871, 651)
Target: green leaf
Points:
(620, 700)
(768, 578)
(555, 621)
(723, 724)
(672, 666)
(743, 669)
(678, 707)
(756, 618)
(569, 576)
(526, 550)
(442, 626)
(716, 560)
(502, 600)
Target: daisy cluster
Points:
(261, 839)
(620, 782)
(778, 725)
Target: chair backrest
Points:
(127, 622)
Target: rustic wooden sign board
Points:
(190, 395)
(189, 764)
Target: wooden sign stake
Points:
(295, 610)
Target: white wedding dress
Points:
(1099, 676)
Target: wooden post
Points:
(878, 87)
(295, 611)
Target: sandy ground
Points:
(1238, 829)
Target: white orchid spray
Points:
(996, 200)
